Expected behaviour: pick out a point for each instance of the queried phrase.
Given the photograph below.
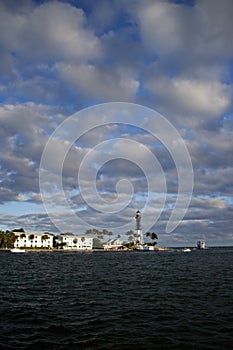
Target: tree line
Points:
(7, 238)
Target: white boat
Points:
(186, 250)
(17, 250)
(201, 244)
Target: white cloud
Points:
(216, 27)
(108, 84)
(191, 47)
(202, 31)
(192, 96)
(53, 30)
(161, 30)
(24, 131)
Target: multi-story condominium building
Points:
(33, 240)
(74, 242)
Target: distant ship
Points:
(200, 244)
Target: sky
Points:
(109, 107)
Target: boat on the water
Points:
(201, 244)
(17, 250)
(186, 250)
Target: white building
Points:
(113, 244)
(74, 242)
(33, 240)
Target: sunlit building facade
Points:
(33, 240)
(74, 242)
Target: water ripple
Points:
(116, 301)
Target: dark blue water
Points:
(121, 300)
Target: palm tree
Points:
(44, 237)
(153, 236)
(10, 239)
(131, 235)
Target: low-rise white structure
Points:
(113, 244)
(33, 240)
(74, 242)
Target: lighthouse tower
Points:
(139, 235)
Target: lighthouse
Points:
(138, 233)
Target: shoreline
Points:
(158, 249)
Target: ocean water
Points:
(117, 300)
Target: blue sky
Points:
(175, 57)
